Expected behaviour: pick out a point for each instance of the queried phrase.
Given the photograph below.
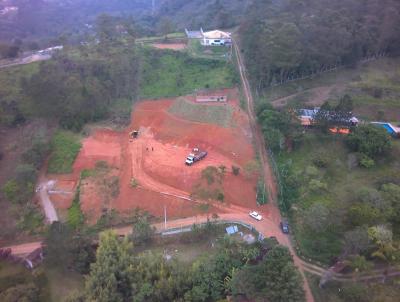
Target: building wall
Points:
(211, 98)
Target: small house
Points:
(206, 97)
(34, 259)
(210, 38)
(216, 38)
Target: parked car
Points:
(285, 227)
(255, 215)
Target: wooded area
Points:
(293, 38)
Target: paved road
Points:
(48, 207)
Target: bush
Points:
(220, 197)
(235, 170)
(134, 183)
(36, 154)
(321, 160)
(366, 162)
(370, 140)
(10, 190)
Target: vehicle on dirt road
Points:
(196, 156)
(284, 227)
(255, 215)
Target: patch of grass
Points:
(211, 114)
(65, 147)
(197, 50)
(167, 73)
(75, 214)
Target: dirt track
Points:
(273, 210)
(172, 46)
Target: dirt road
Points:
(268, 174)
(26, 60)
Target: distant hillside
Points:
(35, 19)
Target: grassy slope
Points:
(65, 148)
(220, 115)
(168, 73)
(362, 83)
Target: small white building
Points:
(210, 38)
(216, 38)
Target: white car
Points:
(255, 215)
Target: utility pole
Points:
(165, 217)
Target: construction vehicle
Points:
(134, 134)
(196, 156)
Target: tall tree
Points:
(110, 277)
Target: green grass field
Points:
(374, 87)
(65, 147)
(169, 73)
(220, 115)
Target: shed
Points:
(34, 259)
(233, 229)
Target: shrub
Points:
(316, 185)
(220, 197)
(321, 160)
(10, 190)
(134, 183)
(370, 140)
(235, 170)
(209, 174)
(366, 162)
(36, 154)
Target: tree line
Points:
(258, 271)
(293, 38)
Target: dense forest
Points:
(207, 14)
(283, 39)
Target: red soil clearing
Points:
(173, 46)
(156, 161)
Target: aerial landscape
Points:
(200, 150)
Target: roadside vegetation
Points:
(352, 292)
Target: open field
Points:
(373, 86)
(172, 46)
(149, 172)
(168, 73)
